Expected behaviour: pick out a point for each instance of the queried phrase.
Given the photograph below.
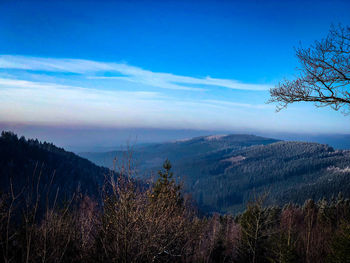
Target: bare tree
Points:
(324, 74)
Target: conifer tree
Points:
(165, 186)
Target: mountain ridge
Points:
(222, 171)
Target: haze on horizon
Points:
(159, 65)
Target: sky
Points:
(171, 65)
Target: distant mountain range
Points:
(222, 172)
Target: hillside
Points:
(223, 172)
(153, 155)
(289, 171)
(21, 158)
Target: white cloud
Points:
(42, 102)
(27, 101)
(128, 73)
(29, 84)
(52, 64)
(239, 105)
(45, 86)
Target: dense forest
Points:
(155, 222)
(152, 155)
(289, 171)
(221, 172)
(20, 159)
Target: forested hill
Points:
(223, 172)
(153, 155)
(20, 159)
(289, 171)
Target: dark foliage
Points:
(21, 158)
(289, 171)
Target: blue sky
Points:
(203, 65)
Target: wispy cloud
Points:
(6, 82)
(50, 91)
(42, 86)
(38, 102)
(31, 101)
(237, 104)
(127, 72)
(38, 90)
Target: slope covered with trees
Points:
(289, 171)
(222, 172)
(20, 159)
(153, 155)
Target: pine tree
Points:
(165, 186)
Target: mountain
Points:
(289, 171)
(22, 160)
(153, 155)
(337, 141)
(223, 172)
